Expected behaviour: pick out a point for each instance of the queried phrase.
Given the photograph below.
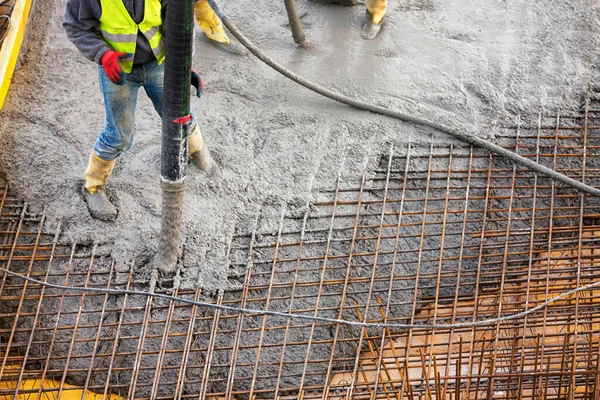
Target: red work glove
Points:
(198, 83)
(110, 63)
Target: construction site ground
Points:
(318, 208)
(468, 64)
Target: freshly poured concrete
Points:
(469, 64)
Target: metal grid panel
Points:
(437, 234)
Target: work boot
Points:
(370, 30)
(212, 28)
(198, 151)
(96, 176)
(202, 159)
(373, 18)
(99, 205)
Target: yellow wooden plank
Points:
(12, 45)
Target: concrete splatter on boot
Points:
(370, 30)
(198, 152)
(96, 176)
(99, 205)
(202, 160)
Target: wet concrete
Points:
(468, 64)
(465, 63)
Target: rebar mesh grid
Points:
(437, 234)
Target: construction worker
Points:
(125, 39)
(373, 16)
(212, 28)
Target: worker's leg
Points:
(377, 10)
(96, 174)
(211, 26)
(115, 138)
(119, 102)
(197, 150)
(374, 16)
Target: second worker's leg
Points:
(198, 152)
(211, 26)
(116, 137)
(373, 18)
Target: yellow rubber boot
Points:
(377, 8)
(96, 176)
(97, 173)
(375, 12)
(209, 22)
(211, 26)
(198, 151)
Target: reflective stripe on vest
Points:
(120, 31)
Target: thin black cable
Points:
(464, 137)
(250, 311)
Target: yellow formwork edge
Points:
(12, 45)
(58, 392)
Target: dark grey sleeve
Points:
(81, 24)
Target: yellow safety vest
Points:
(120, 31)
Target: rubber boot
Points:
(212, 28)
(198, 151)
(96, 175)
(373, 18)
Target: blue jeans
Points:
(120, 103)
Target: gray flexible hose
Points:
(464, 137)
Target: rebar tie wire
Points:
(462, 136)
(250, 311)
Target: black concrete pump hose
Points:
(465, 137)
(179, 28)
